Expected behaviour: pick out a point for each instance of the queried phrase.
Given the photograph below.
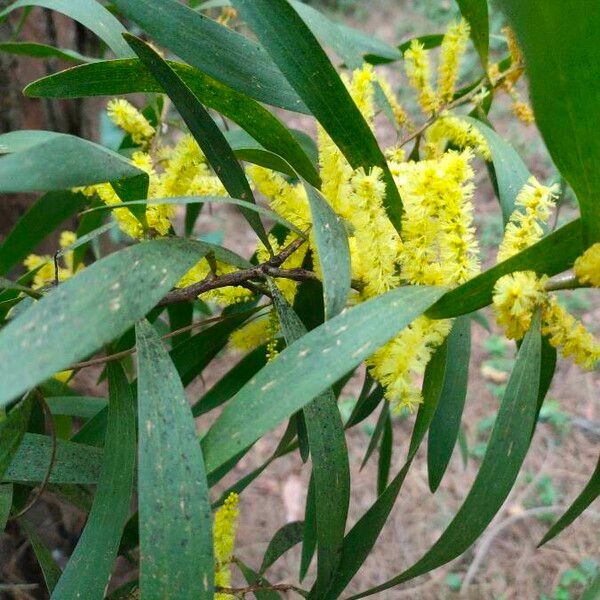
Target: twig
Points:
(258, 587)
(41, 489)
(565, 282)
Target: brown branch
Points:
(258, 587)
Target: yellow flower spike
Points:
(418, 71)
(451, 129)
(224, 531)
(569, 335)
(63, 376)
(185, 162)
(532, 210)
(131, 120)
(523, 112)
(453, 48)
(516, 57)
(252, 334)
(363, 92)
(400, 115)
(587, 266)
(272, 351)
(516, 296)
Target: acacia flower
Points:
(418, 71)
(587, 266)
(453, 48)
(131, 120)
(224, 530)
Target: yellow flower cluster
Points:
(453, 49)
(400, 115)
(456, 131)
(46, 274)
(587, 266)
(418, 71)
(518, 295)
(532, 209)
(224, 530)
(131, 120)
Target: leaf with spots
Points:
(176, 548)
(91, 309)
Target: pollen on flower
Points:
(454, 130)
(523, 112)
(532, 210)
(224, 531)
(418, 71)
(453, 48)
(400, 115)
(516, 296)
(131, 120)
(252, 334)
(587, 266)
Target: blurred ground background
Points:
(505, 563)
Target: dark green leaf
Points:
(221, 52)
(74, 463)
(253, 578)
(552, 255)
(475, 12)
(205, 131)
(90, 14)
(433, 40)
(173, 492)
(89, 568)
(60, 162)
(50, 570)
(12, 430)
(314, 363)
(309, 532)
(444, 428)
(305, 64)
(6, 496)
(85, 407)
(383, 418)
(385, 456)
(505, 453)
(589, 493)
(94, 307)
(285, 538)
(44, 51)
(334, 253)
(44, 217)
(563, 86)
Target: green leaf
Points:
(85, 407)
(475, 12)
(284, 539)
(205, 131)
(74, 463)
(217, 50)
(334, 253)
(253, 578)
(444, 428)
(89, 568)
(331, 470)
(12, 430)
(592, 592)
(309, 531)
(383, 418)
(118, 77)
(44, 51)
(90, 14)
(553, 254)
(50, 570)
(173, 492)
(385, 455)
(91, 309)
(506, 451)
(360, 540)
(510, 170)
(42, 218)
(305, 64)
(589, 493)
(432, 40)
(60, 162)
(563, 87)
(314, 363)
(6, 496)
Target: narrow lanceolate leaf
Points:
(306, 66)
(590, 492)
(571, 91)
(360, 540)
(444, 428)
(205, 131)
(509, 169)
(176, 547)
(285, 538)
(256, 579)
(334, 253)
(89, 568)
(475, 12)
(118, 77)
(331, 470)
(91, 309)
(43, 51)
(85, 407)
(217, 50)
(552, 255)
(12, 430)
(313, 363)
(74, 463)
(90, 14)
(506, 451)
(59, 161)
(6, 496)
(42, 218)
(50, 570)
